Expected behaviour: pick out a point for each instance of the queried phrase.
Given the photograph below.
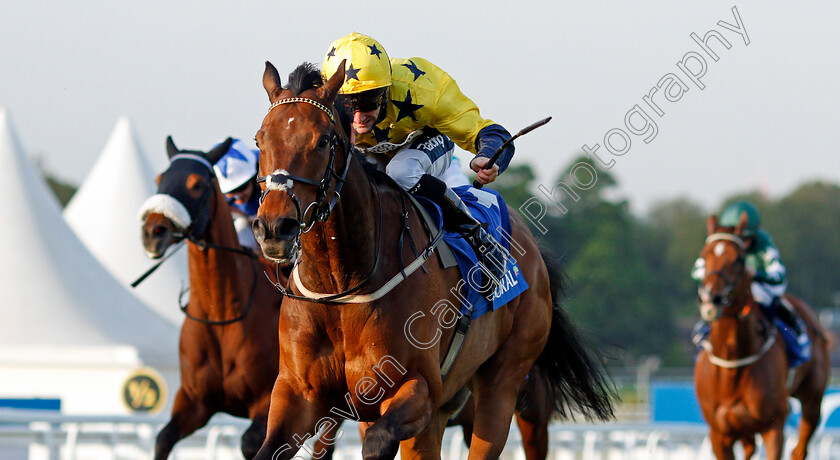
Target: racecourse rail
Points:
(38, 435)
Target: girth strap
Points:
(461, 329)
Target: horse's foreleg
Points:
(722, 445)
(187, 416)
(324, 446)
(427, 444)
(749, 447)
(774, 440)
(291, 421)
(254, 436)
(404, 415)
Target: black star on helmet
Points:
(406, 108)
(381, 134)
(374, 51)
(413, 68)
(331, 53)
(351, 73)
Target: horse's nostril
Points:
(258, 226)
(285, 228)
(159, 231)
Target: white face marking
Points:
(289, 123)
(719, 248)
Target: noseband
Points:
(282, 180)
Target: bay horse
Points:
(740, 375)
(228, 346)
(350, 350)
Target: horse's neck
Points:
(219, 279)
(340, 252)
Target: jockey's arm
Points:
(458, 117)
(770, 269)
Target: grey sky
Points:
(766, 118)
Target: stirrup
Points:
(491, 255)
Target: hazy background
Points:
(767, 118)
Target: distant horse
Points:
(740, 376)
(229, 345)
(346, 351)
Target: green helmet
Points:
(731, 217)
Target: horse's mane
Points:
(305, 76)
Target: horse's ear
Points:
(742, 223)
(711, 224)
(217, 153)
(271, 82)
(171, 150)
(329, 90)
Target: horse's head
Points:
(181, 207)
(725, 278)
(303, 158)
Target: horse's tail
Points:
(572, 372)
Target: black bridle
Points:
(283, 180)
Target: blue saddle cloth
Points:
(486, 206)
(798, 349)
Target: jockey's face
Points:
(363, 121)
(365, 106)
(242, 194)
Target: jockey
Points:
(237, 175)
(764, 264)
(414, 113)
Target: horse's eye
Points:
(323, 143)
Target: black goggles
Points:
(366, 101)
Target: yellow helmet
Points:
(368, 66)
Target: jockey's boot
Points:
(458, 219)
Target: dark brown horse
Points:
(741, 374)
(350, 353)
(228, 348)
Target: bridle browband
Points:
(282, 180)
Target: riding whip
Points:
(499, 151)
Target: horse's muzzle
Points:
(156, 237)
(278, 238)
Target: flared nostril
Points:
(258, 226)
(285, 228)
(159, 230)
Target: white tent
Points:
(103, 213)
(59, 303)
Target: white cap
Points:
(236, 166)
